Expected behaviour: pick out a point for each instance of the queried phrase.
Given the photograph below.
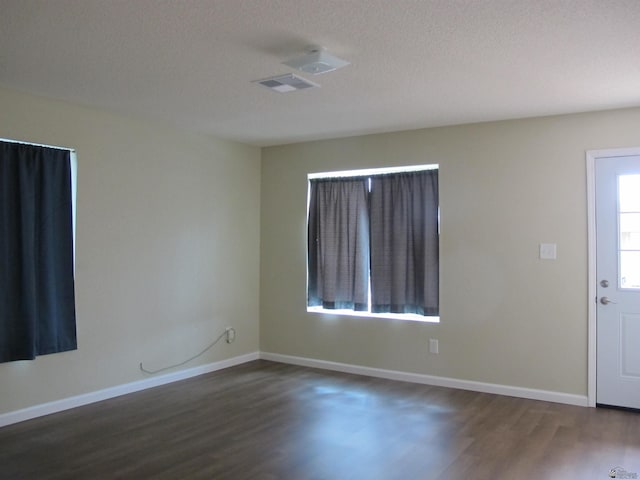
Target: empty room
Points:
(319, 239)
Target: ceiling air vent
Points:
(286, 83)
(316, 60)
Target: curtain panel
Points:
(338, 244)
(37, 304)
(404, 243)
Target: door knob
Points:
(606, 301)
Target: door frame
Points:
(592, 156)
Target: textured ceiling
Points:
(415, 63)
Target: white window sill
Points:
(411, 317)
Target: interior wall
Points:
(167, 248)
(507, 317)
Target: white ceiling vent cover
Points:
(316, 61)
(286, 83)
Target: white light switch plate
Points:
(548, 251)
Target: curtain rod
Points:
(9, 140)
(372, 171)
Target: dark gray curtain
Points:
(37, 307)
(404, 243)
(338, 249)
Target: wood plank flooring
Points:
(265, 421)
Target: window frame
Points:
(366, 314)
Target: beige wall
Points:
(167, 250)
(507, 317)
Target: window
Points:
(629, 231)
(37, 224)
(373, 243)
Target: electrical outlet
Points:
(433, 345)
(231, 334)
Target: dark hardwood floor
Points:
(265, 420)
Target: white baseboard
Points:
(97, 396)
(521, 392)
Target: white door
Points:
(618, 281)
